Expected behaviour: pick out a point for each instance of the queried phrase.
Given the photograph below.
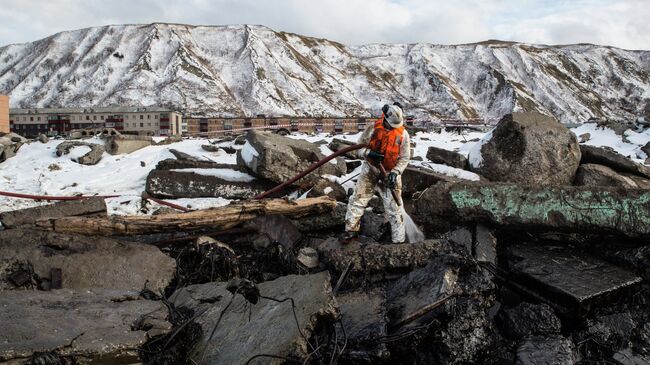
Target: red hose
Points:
(47, 197)
(311, 168)
(68, 198)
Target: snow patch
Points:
(225, 174)
(248, 154)
(447, 170)
(475, 157)
(77, 152)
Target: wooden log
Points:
(215, 219)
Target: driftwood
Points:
(216, 218)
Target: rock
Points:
(86, 262)
(12, 138)
(446, 157)
(174, 164)
(308, 257)
(352, 164)
(539, 350)
(182, 155)
(124, 144)
(274, 229)
(584, 137)
(323, 222)
(417, 179)
(647, 161)
(210, 148)
(90, 158)
(601, 175)
(485, 245)
(570, 279)
(7, 152)
(364, 317)
(43, 138)
(452, 296)
(420, 288)
(375, 262)
(329, 188)
(54, 167)
(267, 327)
(279, 158)
(229, 150)
(338, 144)
(608, 157)
(240, 140)
(462, 238)
(373, 225)
(646, 149)
(178, 184)
(75, 135)
(29, 216)
(537, 207)
(527, 148)
(86, 326)
(527, 319)
(628, 357)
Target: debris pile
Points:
(546, 261)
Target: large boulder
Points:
(29, 257)
(600, 175)
(279, 158)
(77, 327)
(608, 157)
(234, 330)
(527, 148)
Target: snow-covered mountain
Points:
(248, 70)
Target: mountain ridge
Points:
(243, 70)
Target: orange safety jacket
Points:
(388, 142)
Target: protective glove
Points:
(374, 155)
(391, 180)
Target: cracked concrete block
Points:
(86, 326)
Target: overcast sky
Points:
(621, 23)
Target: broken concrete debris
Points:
(281, 324)
(91, 157)
(85, 262)
(514, 272)
(123, 144)
(29, 216)
(576, 282)
(39, 324)
(446, 157)
(582, 209)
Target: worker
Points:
(388, 145)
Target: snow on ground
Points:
(37, 170)
(630, 146)
(225, 174)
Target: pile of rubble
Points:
(544, 259)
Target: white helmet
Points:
(394, 116)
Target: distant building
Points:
(4, 114)
(213, 127)
(154, 121)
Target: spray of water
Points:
(413, 233)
